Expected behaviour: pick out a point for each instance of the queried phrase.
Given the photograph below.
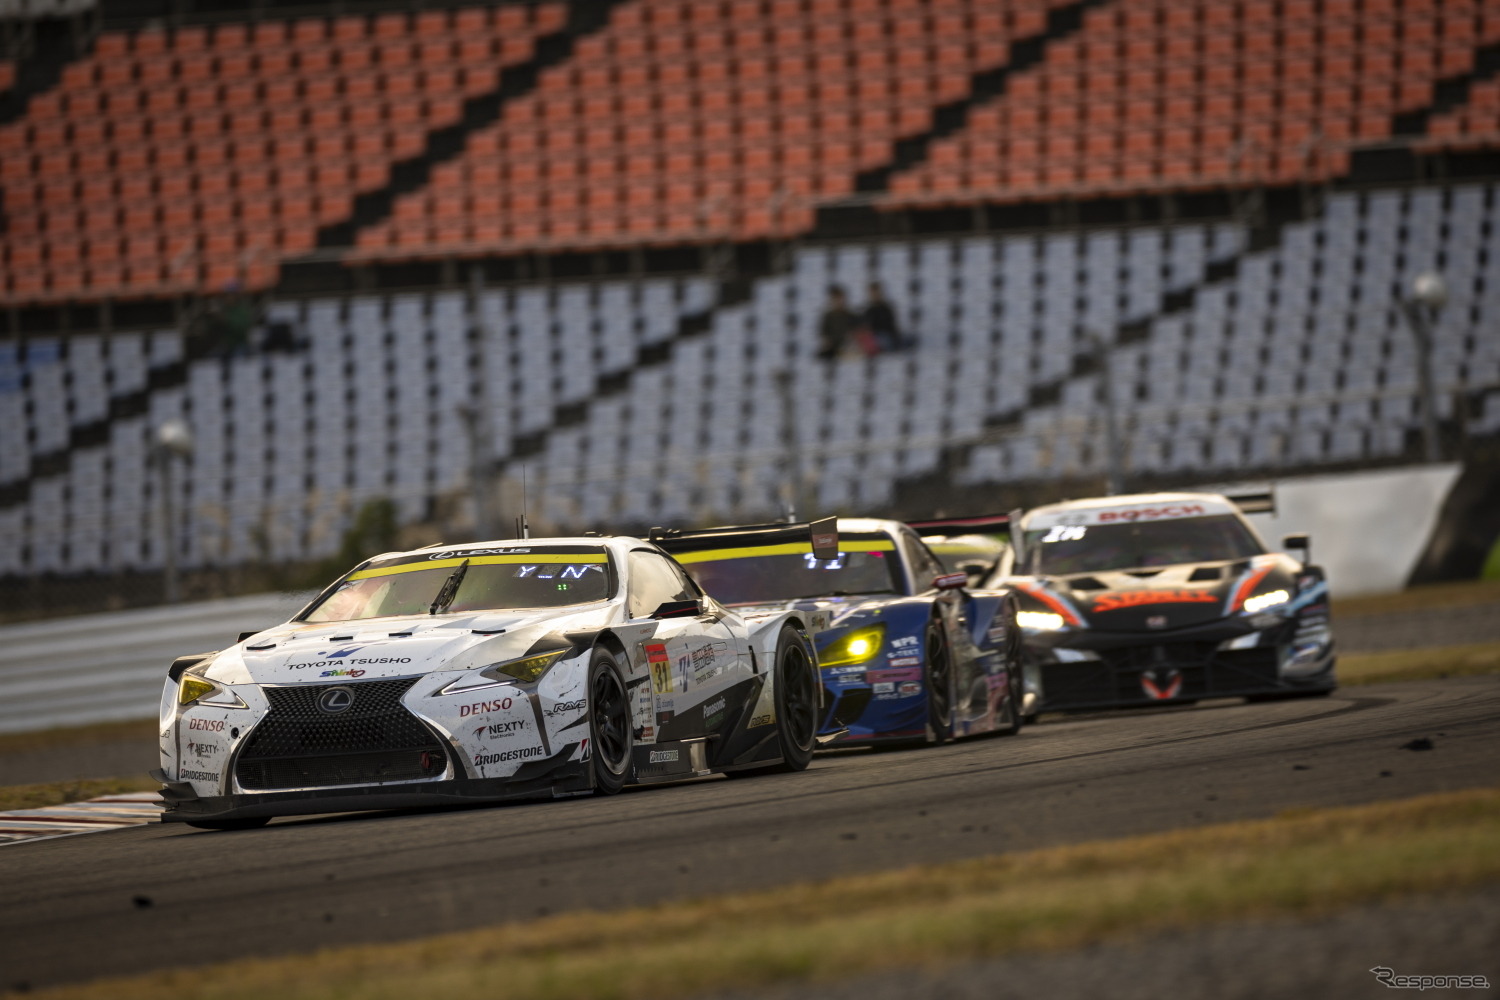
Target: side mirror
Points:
(1299, 542)
(678, 609)
(951, 581)
(246, 635)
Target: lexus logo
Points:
(336, 700)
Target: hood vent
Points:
(1087, 583)
(1206, 573)
(1142, 573)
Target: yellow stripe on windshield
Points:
(537, 559)
(789, 549)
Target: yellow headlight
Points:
(191, 688)
(530, 668)
(858, 646)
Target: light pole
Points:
(174, 439)
(1429, 293)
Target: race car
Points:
(1163, 598)
(462, 673)
(908, 656)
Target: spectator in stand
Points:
(837, 325)
(880, 320)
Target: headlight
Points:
(190, 689)
(528, 668)
(858, 646)
(1270, 599)
(1045, 621)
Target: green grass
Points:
(1419, 664)
(58, 793)
(1300, 863)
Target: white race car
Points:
(540, 667)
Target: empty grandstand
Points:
(377, 252)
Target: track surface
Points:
(159, 896)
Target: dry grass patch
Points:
(1427, 596)
(58, 793)
(1298, 863)
(1419, 664)
(133, 731)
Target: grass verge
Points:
(1431, 595)
(58, 793)
(1419, 664)
(132, 731)
(1299, 863)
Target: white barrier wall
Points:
(1368, 528)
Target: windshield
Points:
(448, 581)
(769, 574)
(1064, 549)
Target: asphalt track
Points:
(155, 896)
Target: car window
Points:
(924, 565)
(655, 580)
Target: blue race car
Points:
(909, 655)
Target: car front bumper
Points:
(541, 780)
(1225, 659)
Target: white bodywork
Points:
(493, 726)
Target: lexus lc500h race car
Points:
(539, 667)
(909, 655)
(1163, 597)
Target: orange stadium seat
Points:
(690, 121)
(226, 115)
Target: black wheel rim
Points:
(937, 676)
(611, 720)
(799, 712)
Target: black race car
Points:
(1161, 598)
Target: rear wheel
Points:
(609, 723)
(1015, 683)
(796, 700)
(939, 683)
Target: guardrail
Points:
(109, 667)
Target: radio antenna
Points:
(525, 524)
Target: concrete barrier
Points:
(1368, 529)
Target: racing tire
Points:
(251, 823)
(609, 724)
(796, 700)
(939, 680)
(1014, 679)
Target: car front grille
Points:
(1206, 672)
(299, 745)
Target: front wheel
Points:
(939, 683)
(609, 723)
(796, 700)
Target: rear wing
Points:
(1254, 503)
(821, 536)
(979, 524)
